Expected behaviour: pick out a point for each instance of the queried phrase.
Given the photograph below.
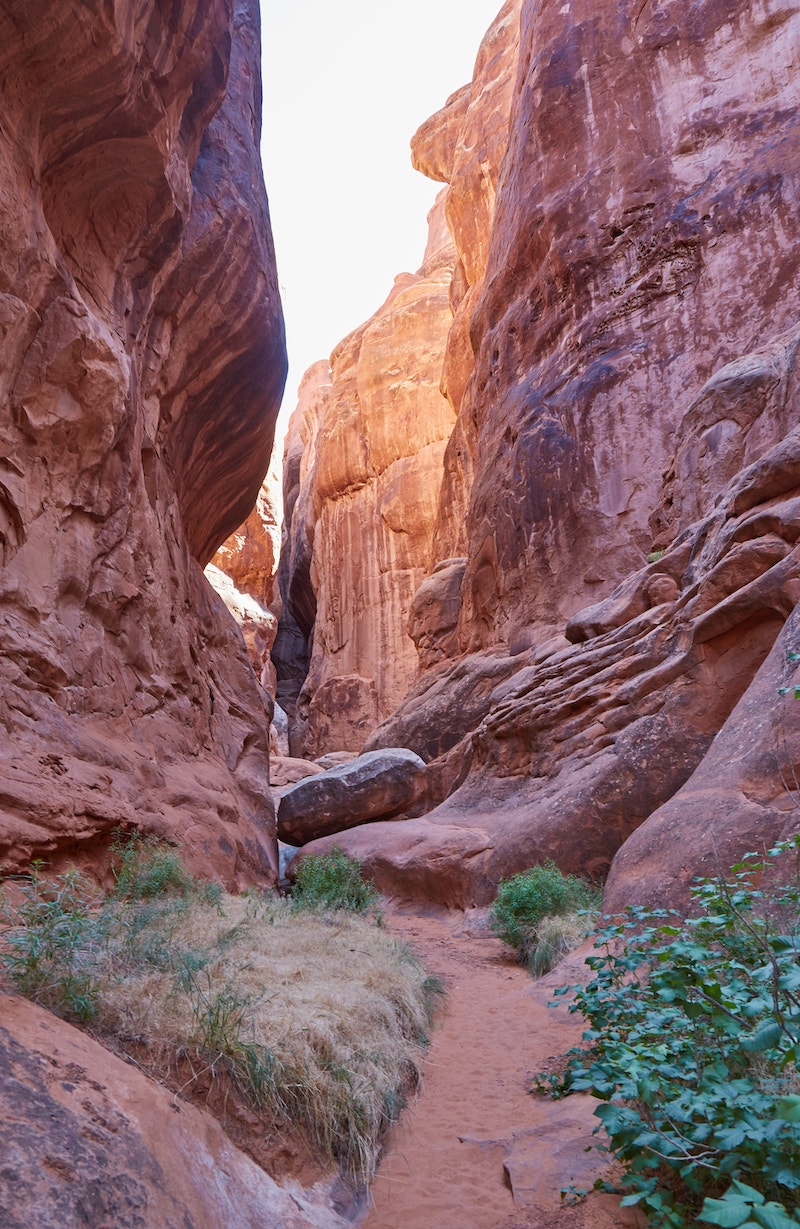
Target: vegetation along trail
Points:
(475, 1150)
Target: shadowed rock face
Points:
(89, 1140)
(633, 395)
(674, 674)
(644, 237)
(142, 364)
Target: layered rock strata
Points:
(622, 479)
(142, 365)
(372, 491)
(664, 712)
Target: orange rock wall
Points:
(644, 236)
(378, 525)
(142, 365)
(619, 499)
(374, 488)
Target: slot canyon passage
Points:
(535, 593)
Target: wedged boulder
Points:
(378, 785)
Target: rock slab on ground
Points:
(89, 1142)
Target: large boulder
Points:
(374, 786)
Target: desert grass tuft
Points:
(317, 1018)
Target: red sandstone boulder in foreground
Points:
(87, 1139)
(142, 365)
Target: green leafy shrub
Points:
(51, 940)
(332, 881)
(693, 1048)
(146, 867)
(536, 911)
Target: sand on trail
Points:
(475, 1150)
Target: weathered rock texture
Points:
(89, 1140)
(243, 573)
(299, 602)
(644, 237)
(142, 363)
(633, 393)
(373, 490)
(374, 786)
(364, 458)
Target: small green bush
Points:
(248, 989)
(524, 901)
(146, 867)
(693, 1049)
(332, 881)
(51, 942)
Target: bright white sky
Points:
(346, 85)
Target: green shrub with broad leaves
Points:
(693, 1049)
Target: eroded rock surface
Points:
(377, 785)
(373, 493)
(661, 719)
(87, 1139)
(652, 157)
(367, 505)
(142, 365)
(622, 476)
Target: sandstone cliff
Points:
(142, 365)
(374, 486)
(618, 502)
(363, 533)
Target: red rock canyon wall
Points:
(142, 365)
(370, 503)
(602, 671)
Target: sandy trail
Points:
(475, 1150)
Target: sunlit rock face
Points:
(361, 531)
(370, 522)
(298, 599)
(243, 573)
(622, 479)
(142, 365)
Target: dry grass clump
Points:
(317, 1018)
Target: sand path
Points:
(475, 1150)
